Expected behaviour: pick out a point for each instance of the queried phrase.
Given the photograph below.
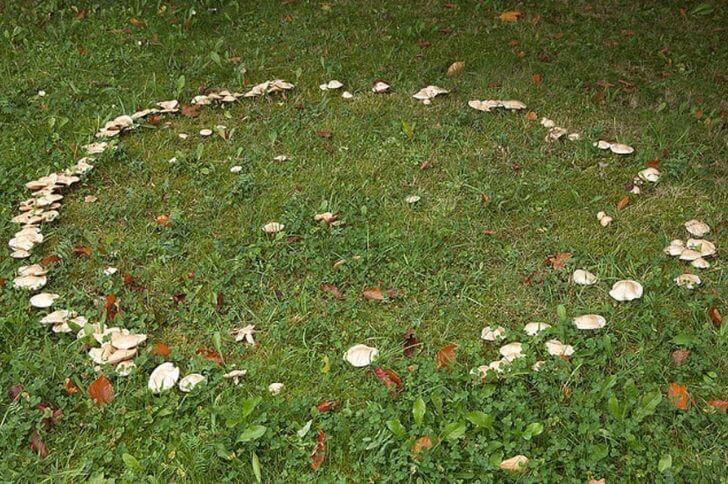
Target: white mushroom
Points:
(675, 248)
(412, 199)
(697, 228)
(537, 365)
(110, 271)
(43, 300)
(280, 158)
(347, 95)
(620, 149)
(163, 377)
(361, 355)
(688, 281)
(189, 382)
(689, 254)
(57, 317)
(557, 348)
(496, 366)
(493, 334)
(705, 247)
(273, 227)
(331, 85)
(514, 465)
(235, 375)
(532, 329)
(275, 388)
(626, 290)
(651, 175)
(244, 334)
(604, 219)
(590, 321)
(700, 263)
(583, 277)
(31, 283)
(122, 341)
(380, 87)
(205, 132)
(236, 169)
(429, 92)
(547, 123)
(511, 351)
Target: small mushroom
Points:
(532, 329)
(347, 95)
(163, 377)
(273, 228)
(583, 277)
(705, 247)
(697, 228)
(497, 366)
(590, 321)
(651, 175)
(326, 217)
(331, 85)
(59, 316)
(235, 375)
(244, 334)
(275, 388)
(620, 149)
(412, 199)
(514, 465)
(675, 248)
(380, 87)
(280, 158)
(700, 263)
(602, 145)
(429, 92)
(205, 132)
(361, 355)
(189, 382)
(493, 334)
(626, 290)
(688, 281)
(547, 123)
(43, 300)
(557, 348)
(122, 341)
(30, 282)
(236, 169)
(604, 219)
(511, 351)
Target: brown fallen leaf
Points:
(50, 260)
(111, 306)
(390, 379)
(623, 202)
(537, 79)
(162, 220)
(210, 355)
(410, 345)
(319, 451)
(70, 387)
(190, 110)
(487, 232)
(82, 251)
(14, 392)
(51, 416)
(3, 282)
(653, 164)
(679, 396)
(179, 298)
(332, 290)
(423, 443)
(326, 406)
(558, 261)
(219, 302)
(715, 316)
(484, 199)
(136, 22)
(679, 356)
(455, 69)
(373, 294)
(129, 281)
(720, 405)
(446, 356)
(510, 16)
(325, 134)
(37, 445)
(531, 116)
(101, 391)
(445, 31)
(161, 349)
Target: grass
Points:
(602, 414)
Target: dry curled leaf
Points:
(136, 22)
(162, 220)
(510, 16)
(111, 306)
(623, 202)
(50, 260)
(101, 391)
(390, 379)
(679, 396)
(446, 356)
(537, 79)
(679, 356)
(455, 69)
(373, 294)
(190, 110)
(210, 355)
(715, 316)
(423, 443)
(14, 392)
(326, 406)
(161, 349)
(332, 290)
(720, 405)
(70, 387)
(82, 251)
(409, 343)
(319, 451)
(558, 261)
(325, 134)
(37, 445)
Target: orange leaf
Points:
(531, 116)
(679, 396)
(421, 444)
(70, 387)
(319, 451)
(715, 316)
(136, 22)
(210, 355)
(409, 343)
(326, 406)
(390, 379)
(190, 110)
(652, 164)
(162, 220)
(446, 356)
(333, 290)
(50, 260)
(373, 294)
(623, 202)
(111, 305)
(537, 79)
(510, 16)
(101, 391)
(721, 405)
(161, 349)
(558, 261)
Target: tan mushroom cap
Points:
(511, 351)
(429, 92)
(700, 263)
(689, 254)
(590, 321)
(532, 329)
(688, 281)
(675, 248)
(32, 270)
(361, 355)
(705, 247)
(514, 465)
(331, 85)
(235, 375)
(557, 348)
(697, 228)
(273, 227)
(244, 334)
(621, 149)
(626, 290)
(164, 377)
(583, 277)
(651, 175)
(189, 382)
(380, 87)
(58, 316)
(275, 388)
(31, 283)
(493, 334)
(122, 341)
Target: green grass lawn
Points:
(653, 76)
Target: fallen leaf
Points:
(80, 14)
(111, 306)
(319, 451)
(423, 443)
(14, 392)
(510, 16)
(70, 387)
(219, 302)
(82, 251)
(487, 232)
(390, 379)
(373, 294)
(558, 261)
(715, 316)
(531, 116)
(325, 134)
(190, 110)
(129, 281)
(136, 22)
(678, 395)
(101, 391)
(679, 356)
(537, 79)
(326, 406)
(179, 298)
(3, 282)
(162, 220)
(333, 290)
(653, 164)
(410, 345)
(446, 356)
(424, 44)
(721, 405)
(50, 260)
(484, 198)
(210, 355)
(37, 445)
(161, 349)
(51, 416)
(455, 69)
(623, 202)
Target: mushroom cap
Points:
(621, 149)
(31, 283)
(700, 263)
(163, 377)
(206, 132)
(705, 247)
(514, 465)
(583, 277)
(557, 348)
(697, 228)
(602, 145)
(125, 368)
(275, 388)
(347, 95)
(590, 321)
(429, 92)
(380, 87)
(651, 175)
(513, 105)
(532, 329)
(675, 248)
(689, 254)
(626, 290)
(273, 227)
(412, 199)
(235, 375)
(58, 316)
(688, 281)
(280, 158)
(189, 382)
(43, 300)
(236, 169)
(361, 355)
(511, 351)
(122, 341)
(333, 84)
(496, 366)
(493, 334)
(547, 123)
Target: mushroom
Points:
(626, 290)
(275, 388)
(583, 277)
(205, 132)
(620, 149)
(273, 228)
(412, 199)
(511, 351)
(705, 247)
(189, 382)
(122, 341)
(604, 219)
(125, 368)
(697, 228)
(547, 123)
(555, 133)
(557, 348)
(590, 321)
(537, 365)
(244, 334)
(327, 217)
(168, 106)
(514, 465)
(602, 145)
(235, 375)
(347, 95)
(532, 329)
(493, 334)
(700, 263)
(675, 248)
(43, 300)
(651, 175)
(280, 158)
(31, 283)
(689, 254)
(361, 355)
(236, 169)
(429, 92)
(380, 87)
(163, 377)
(331, 85)
(496, 366)
(688, 281)
(57, 317)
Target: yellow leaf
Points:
(455, 69)
(510, 16)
